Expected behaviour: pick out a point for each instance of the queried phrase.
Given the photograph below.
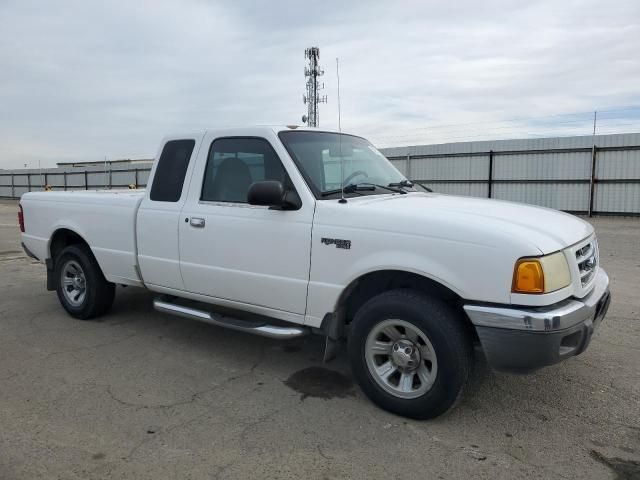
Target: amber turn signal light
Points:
(528, 276)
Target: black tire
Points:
(447, 334)
(98, 292)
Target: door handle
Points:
(197, 222)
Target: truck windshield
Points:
(318, 155)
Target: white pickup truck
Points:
(285, 231)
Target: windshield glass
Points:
(318, 156)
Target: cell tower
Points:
(313, 97)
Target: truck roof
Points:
(254, 129)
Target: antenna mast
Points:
(313, 97)
(342, 199)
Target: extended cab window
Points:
(171, 170)
(234, 164)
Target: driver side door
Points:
(241, 253)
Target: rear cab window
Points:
(168, 180)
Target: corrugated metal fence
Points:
(13, 183)
(566, 173)
(599, 175)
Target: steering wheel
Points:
(353, 175)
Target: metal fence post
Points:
(490, 179)
(64, 179)
(28, 182)
(136, 177)
(592, 181)
(409, 173)
(13, 187)
(86, 181)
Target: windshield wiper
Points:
(385, 187)
(402, 183)
(353, 187)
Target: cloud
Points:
(85, 79)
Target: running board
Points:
(257, 328)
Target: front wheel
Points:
(410, 353)
(81, 287)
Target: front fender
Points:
(471, 270)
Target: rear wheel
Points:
(410, 353)
(81, 287)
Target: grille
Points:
(587, 260)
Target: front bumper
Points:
(528, 338)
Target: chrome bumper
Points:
(524, 339)
(560, 316)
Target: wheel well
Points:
(374, 283)
(61, 239)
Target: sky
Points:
(85, 80)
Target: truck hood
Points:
(547, 229)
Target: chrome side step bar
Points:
(257, 328)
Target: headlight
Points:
(541, 275)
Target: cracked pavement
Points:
(143, 395)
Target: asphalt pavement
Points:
(142, 395)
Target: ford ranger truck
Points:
(286, 231)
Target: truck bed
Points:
(105, 219)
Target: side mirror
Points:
(268, 192)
